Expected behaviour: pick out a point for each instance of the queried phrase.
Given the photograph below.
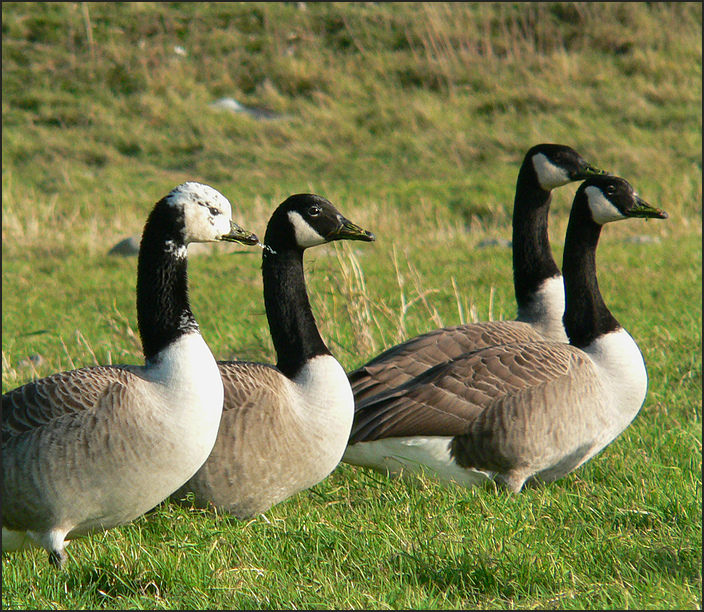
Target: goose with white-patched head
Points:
(93, 448)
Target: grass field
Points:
(412, 118)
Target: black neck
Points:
(293, 329)
(586, 315)
(163, 309)
(533, 262)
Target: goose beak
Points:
(349, 231)
(238, 234)
(644, 210)
(588, 170)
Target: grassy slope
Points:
(413, 119)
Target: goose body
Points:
(284, 428)
(93, 448)
(537, 280)
(526, 411)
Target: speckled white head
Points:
(602, 208)
(550, 175)
(206, 212)
(306, 236)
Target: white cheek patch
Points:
(603, 211)
(306, 236)
(222, 225)
(200, 224)
(550, 176)
(206, 228)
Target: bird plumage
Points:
(538, 283)
(284, 427)
(527, 410)
(93, 448)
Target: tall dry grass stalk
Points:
(357, 300)
(421, 296)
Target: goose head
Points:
(306, 220)
(206, 215)
(611, 198)
(556, 165)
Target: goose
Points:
(89, 449)
(523, 412)
(537, 282)
(284, 427)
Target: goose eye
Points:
(213, 211)
(314, 211)
(610, 190)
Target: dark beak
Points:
(646, 211)
(588, 170)
(238, 234)
(349, 231)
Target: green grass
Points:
(413, 119)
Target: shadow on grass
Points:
(114, 583)
(469, 573)
(676, 564)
